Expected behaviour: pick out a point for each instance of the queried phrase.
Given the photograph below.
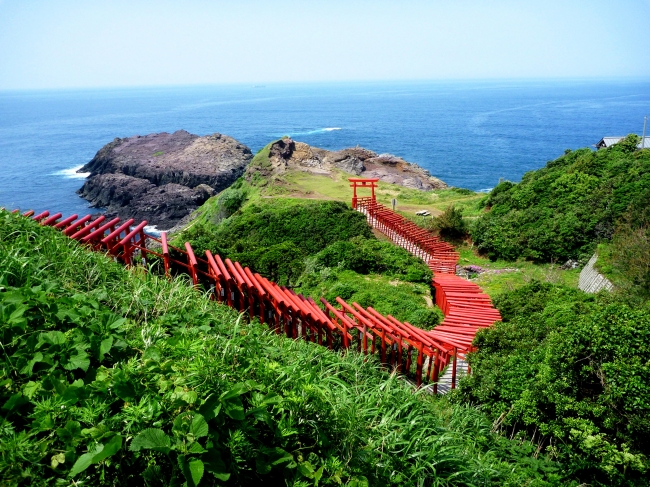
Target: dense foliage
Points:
(230, 200)
(275, 238)
(323, 248)
(571, 372)
(369, 255)
(350, 270)
(562, 210)
(116, 377)
(308, 225)
(626, 262)
(450, 223)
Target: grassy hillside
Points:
(244, 223)
(564, 209)
(296, 187)
(117, 377)
(295, 184)
(322, 248)
(499, 276)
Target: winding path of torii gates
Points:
(418, 354)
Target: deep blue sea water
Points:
(469, 134)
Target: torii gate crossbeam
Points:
(363, 183)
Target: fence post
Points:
(453, 372)
(346, 340)
(418, 370)
(191, 260)
(409, 351)
(127, 253)
(436, 364)
(165, 252)
(143, 245)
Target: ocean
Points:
(469, 134)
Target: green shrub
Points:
(275, 239)
(571, 372)
(311, 226)
(117, 377)
(629, 256)
(282, 263)
(347, 255)
(562, 210)
(463, 191)
(403, 300)
(230, 200)
(369, 255)
(450, 223)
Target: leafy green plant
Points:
(450, 223)
(230, 200)
(307, 245)
(276, 238)
(142, 381)
(369, 255)
(562, 210)
(569, 371)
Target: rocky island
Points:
(162, 177)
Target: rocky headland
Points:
(286, 154)
(162, 177)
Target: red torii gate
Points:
(363, 183)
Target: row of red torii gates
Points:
(418, 354)
(467, 309)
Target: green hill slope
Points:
(322, 248)
(571, 370)
(562, 210)
(118, 377)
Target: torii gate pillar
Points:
(363, 183)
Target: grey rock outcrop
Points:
(162, 177)
(287, 154)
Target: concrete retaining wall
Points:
(591, 281)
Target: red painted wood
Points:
(466, 308)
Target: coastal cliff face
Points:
(286, 154)
(162, 177)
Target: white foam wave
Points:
(72, 173)
(486, 190)
(313, 132)
(152, 230)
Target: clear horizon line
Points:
(261, 84)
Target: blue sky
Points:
(84, 43)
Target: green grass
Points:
(406, 301)
(159, 153)
(322, 249)
(184, 391)
(305, 185)
(604, 264)
(337, 187)
(503, 276)
(294, 186)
